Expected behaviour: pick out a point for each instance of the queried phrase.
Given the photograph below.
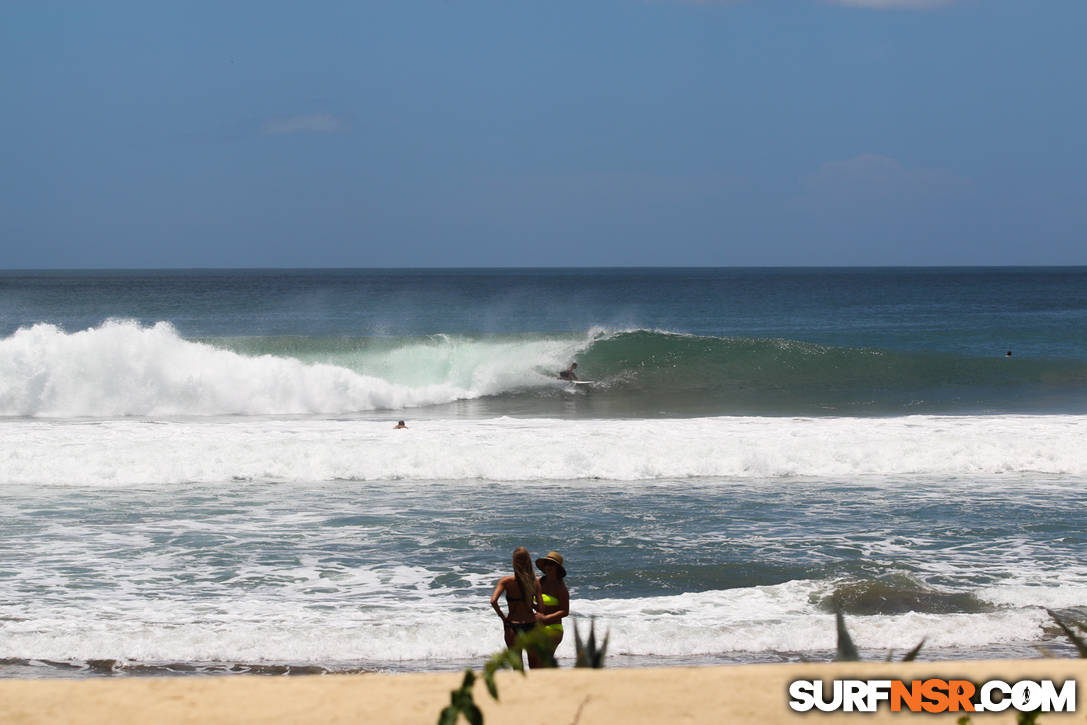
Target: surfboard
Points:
(577, 387)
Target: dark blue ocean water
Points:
(980, 312)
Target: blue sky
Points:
(508, 133)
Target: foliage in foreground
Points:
(461, 701)
(588, 655)
(1077, 640)
(847, 651)
(1031, 718)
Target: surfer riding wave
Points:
(569, 374)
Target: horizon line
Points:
(515, 268)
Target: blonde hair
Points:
(525, 576)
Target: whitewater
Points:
(124, 403)
(161, 451)
(349, 575)
(122, 368)
(199, 470)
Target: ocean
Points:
(199, 471)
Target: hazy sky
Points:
(548, 133)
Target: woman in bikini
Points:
(554, 598)
(522, 590)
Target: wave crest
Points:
(122, 368)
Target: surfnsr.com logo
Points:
(932, 695)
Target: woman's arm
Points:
(498, 589)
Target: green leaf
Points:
(474, 715)
(603, 650)
(515, 661)
(588, 654)
(448, 716)
(847, 651)
(488, 679)
(1081, 646)
(579, 649)
(912, 654)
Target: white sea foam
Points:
(361, 574)
(1061, 589)
(782, 618)
(122, 368)
(433, 626)
(136, 452)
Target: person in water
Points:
(568, 373)
(554, 598)
(522, 590)
(399, 425)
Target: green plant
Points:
(1031, 718)
(588, 655)
(911, 655)
(1081, 646)
(461, 701)
(847, 651)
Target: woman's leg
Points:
(556, 638)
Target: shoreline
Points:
(42, 669)
(723, 693)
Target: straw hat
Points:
(555, 558)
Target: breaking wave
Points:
(122, 368)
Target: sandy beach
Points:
(742, 693)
